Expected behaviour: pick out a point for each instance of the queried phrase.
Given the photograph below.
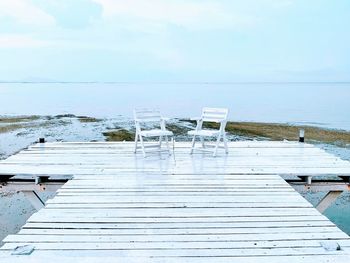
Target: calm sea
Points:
(322, 104)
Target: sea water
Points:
(320, 104)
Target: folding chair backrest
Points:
(214, 114)
(147, 115)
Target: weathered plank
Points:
(182, 208)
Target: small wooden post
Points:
(302, 135)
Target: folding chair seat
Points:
(155, 133)
(207, 133)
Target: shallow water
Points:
(321, 104)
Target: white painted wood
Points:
(106, 243)
(142, 116)
(122, 207)
(113, 235)
(218, 115)
(250, 220)
(107, 158)
(96, 237)
(174, 245)
(171, 205)
(73, 170)
(304, 226)
(177, 212)
(130, 144)
(98, 256)
(207, 252)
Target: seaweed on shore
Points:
(119, 135)
(275, 131)
(236, 130)
(11, 127)
(60, 116)
(177, 129)
(278, 132)
(17, 119)
(87, 119)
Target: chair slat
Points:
(214, 114)
(218, 120)
(147, 115)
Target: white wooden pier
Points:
(121, 207)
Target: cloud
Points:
(188, 14)
(21, 41)
(71, 14)
(24, 12)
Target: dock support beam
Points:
(333, 188)
(329, 198)
(34, 199)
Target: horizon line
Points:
(171, 82)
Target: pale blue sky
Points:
(175, 40)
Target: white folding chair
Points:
(144, 117)
(217, 115)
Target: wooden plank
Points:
(176, 199)
(70, 170)
(112, 198)
(67, 236)
(208, 194)
(103, 256)
(114, 234)
(231, 162)
(109, 244)
(183, 207)
(186, 252)
(242, 226)
(203, 219)
(84, 191)
(173, 205)
(177, 212)
(244, 144)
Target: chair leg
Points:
(217, 145)
(167, 144)
(202, 141)
(136, 140)
(142, 146)
(193, 143)
(160, 141)
(225, 143)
